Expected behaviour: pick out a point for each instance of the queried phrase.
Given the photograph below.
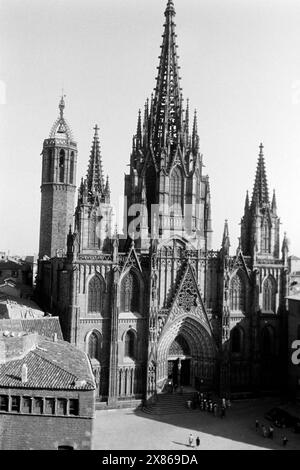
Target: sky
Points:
(240, 68)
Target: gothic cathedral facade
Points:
(157, 302)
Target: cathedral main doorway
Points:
(186, 355)
(179, 370)
(179, 362)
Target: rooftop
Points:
(294, 297)
(16, 307)
(51, 365)
(10, 265)
(45, 326)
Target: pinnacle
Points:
(170, 8)
(62, 105)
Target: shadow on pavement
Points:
(238, 425)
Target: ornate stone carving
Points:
(188, 295)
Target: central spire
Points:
(260, 191)
(167, 105)
(95, 179)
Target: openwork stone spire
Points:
(167, 98)
(260, 191)
(95, 179)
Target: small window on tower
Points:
(72, 168)
(61, 166)
(49, 166)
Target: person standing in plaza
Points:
(191, 440)
(284, 441)
(256, 425)
(197, 442)
(271, 432)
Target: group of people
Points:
(268, 431)
(193, 441)
(204, 402)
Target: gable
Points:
(188, 300)
(131, 260)
(240, 264)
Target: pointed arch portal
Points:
(186, 354)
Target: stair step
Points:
(170, 404)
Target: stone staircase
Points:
(170, 403)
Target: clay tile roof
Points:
(52, 365)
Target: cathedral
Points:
(156, 303)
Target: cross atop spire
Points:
(260, 190)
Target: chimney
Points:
(24, 374)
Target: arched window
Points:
(72, 168)
(237, 294)
(269, 295)
(95, 295)
(268, 341)
(176, 191)
(265, 237)
(61, 166)
(129, 344)
(237, 340)
(94, 345)
(130, 293)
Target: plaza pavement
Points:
(131, 430)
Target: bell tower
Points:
(58, 187)
(260, 225)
